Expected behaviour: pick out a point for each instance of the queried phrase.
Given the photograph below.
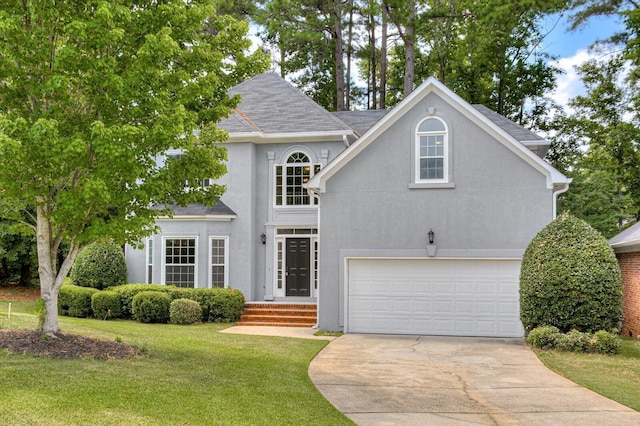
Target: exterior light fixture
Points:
(263, 238)
(431, 235)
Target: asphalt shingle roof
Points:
(218, 209)
(269, 104)
(518, 132)
(361, 121)
(630, 236)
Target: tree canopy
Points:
(92, 93)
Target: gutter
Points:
(562, 190)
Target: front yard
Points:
(192, 375)
(614, 376)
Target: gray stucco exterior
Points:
(498, 203)
(496, 195)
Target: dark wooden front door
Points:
(297, 268)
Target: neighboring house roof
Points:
(627, 240)
(271, 108)
(555, 179)
(526, 137)
(361, 121)
(219, 211)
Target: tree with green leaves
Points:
(599, 147)
(92, 93)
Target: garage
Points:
(448, 297)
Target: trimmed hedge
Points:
(99, 265)
(185, 311)
(151, 306)
(570, 279)
(128, 291)
(75, 301)
(549, 337)
(217, 304)
(106, 305)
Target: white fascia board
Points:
(318, 182)
(259, 137)
(185, 218)
(621, 244)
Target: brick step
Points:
(298, 306)
(273, 324)
(279, 314)
(279, 318)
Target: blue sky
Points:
(572, 49)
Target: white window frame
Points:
(226, 260)
(164, 256)
(445, 149)
(314, 167)
(149, 256)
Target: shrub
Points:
(570, 279)
(75, 301)
(106, 304)
(223, 304)
(604, 342)
(128, 291)
(185, 311)
(573, 341)
(99, 265)
(218, 304)
(151, 306)
(543, 337)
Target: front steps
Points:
(279, 314)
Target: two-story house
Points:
(412, 220)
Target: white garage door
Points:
(434, 297)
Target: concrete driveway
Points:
(410, 380)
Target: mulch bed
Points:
(67, 346)
(16, 293)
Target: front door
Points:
(297, 267)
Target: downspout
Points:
(316, 195)
(562, 190)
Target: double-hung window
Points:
(180, 262)
(431, 151)
(219, 260)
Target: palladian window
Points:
(291, 178)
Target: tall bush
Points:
(570, 279)
(99, 265)
(75, 301)
(151, 306)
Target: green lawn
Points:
(614, 376)
(193, 375)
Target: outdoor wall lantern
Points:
(263, 238)
(431, 236)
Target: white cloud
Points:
(569, 83)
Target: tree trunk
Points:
(50, 278)
(4, 271)
(383, 58)
(25, 274)
(372, 46)
(347, 95)
(409, 49)
(338, 56)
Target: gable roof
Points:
(534, 142)
(272, 108)
(431, 85)
(627, 240)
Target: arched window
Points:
(431, 151)
(291, 178)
